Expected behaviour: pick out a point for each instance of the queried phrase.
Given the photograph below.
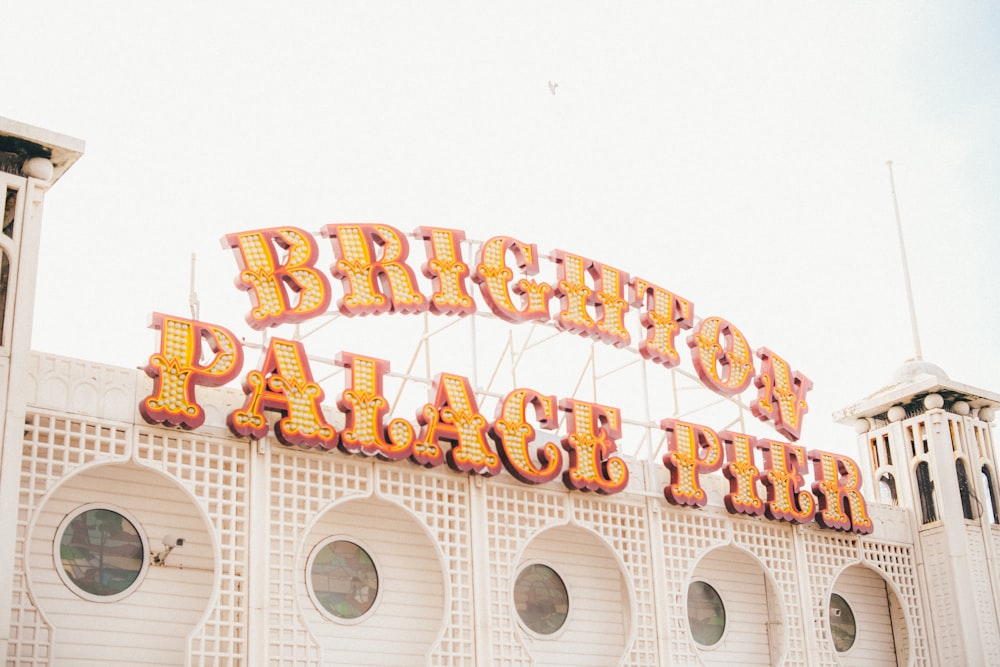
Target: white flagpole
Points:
(906, 269)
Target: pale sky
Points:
(731, 152)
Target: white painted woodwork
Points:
(408, 614)
(742, 584)
(596, 628)
(151, 625)
(866, 593)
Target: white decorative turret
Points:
(928, 447)
(31, 160)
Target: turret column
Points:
(31, 160)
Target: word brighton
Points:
(278, 270)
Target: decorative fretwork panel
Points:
(896, 563)
(687, 535)
(300, 486)
(774, 545)
(53, 447)
(827, 553)
(440, 500)
(513, 515)
(624, 526)
(216, 472)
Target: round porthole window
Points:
(843, 627)
(706, 613)
(101, 553)
(343, 579)
(541, 599)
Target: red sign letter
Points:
(665, 315)
(284, 384)
(782, 395)
(512, 434)
(360, 270)
(267, 280)
(176, 372)
(694, 449)
(493, 277)
(447, 271)
(838, 487)
(742, 474)
(607, 296)
(719, 343)
(365, 408)
(784, 464)
(454, 416)
(591, 464)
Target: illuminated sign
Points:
(278, 270)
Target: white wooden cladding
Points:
(149, 626)
(448, 547)
(865, 591)
(743, 586)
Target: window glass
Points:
(887, 490)
(706, 613)
(541, 599)
(343, 579)
(964, 489)
(925, 488)
(101, 552)
(843, 628)
(4, 282)
(990, 495)
(9, 208)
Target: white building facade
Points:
(130, 539)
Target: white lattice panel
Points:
(216, 471)
(687, 535)
(301, 484)
(441, 500)
(456, 510)
(897, 564)
(53, 447)
(623, 524)
(826, 555)
(513, 514)
(774, 546)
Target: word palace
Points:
(278, 269)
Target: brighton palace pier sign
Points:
(278, 269)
